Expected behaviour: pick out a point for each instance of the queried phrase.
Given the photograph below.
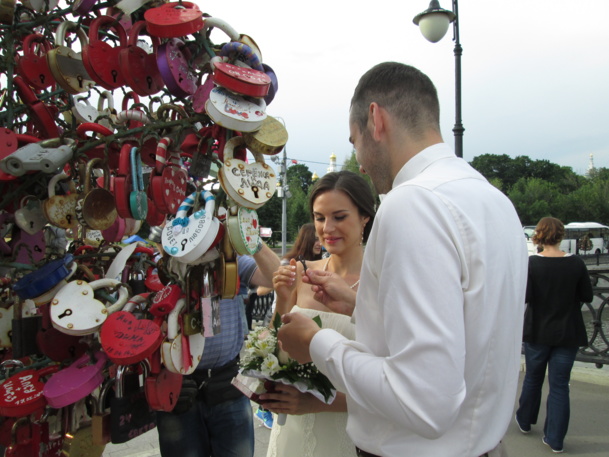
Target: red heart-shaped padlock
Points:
(33, 66)
(22, 393)
(128, 340)
(174, 19)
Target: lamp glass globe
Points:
(434, 26)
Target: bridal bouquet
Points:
(263, 359)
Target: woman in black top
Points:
(554, 329)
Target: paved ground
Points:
(588, 431)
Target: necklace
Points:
(352, 286)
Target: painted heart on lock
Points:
(30, 217)
(128, 340)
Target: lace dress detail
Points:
(321, 434)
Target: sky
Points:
(534, 73)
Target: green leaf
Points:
(317, 320)
(277, 321)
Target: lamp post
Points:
(433, 23)
(283, 193)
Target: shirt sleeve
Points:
(419, 383)
(246, 267)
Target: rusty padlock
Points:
(97, 208)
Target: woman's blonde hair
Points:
(549, 231)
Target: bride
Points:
(342, 207)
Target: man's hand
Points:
(331, 291)
(295, 336)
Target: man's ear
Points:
(376, 120)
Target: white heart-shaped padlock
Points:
(249, 184)
(244, 230)
(75, 310)
(30, 216)
(188, 238)
(172, 349)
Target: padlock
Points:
(174, 19)
(60, 210)
(165, 300)
(243, 230)
(56, 345)
(235, 112)
(270, 139)
(192, 317)
(99, 58)
(168, 181)
(78, 438)
(76, 381)
(38, 157)
(82, 7)
(131, 415)
(210, 303)
(96, 209)
(227, 274)
(100, 422)
(6, 326)
(26, 446)
(83, 111)
(128, 340)
(41, 115)
(173, 60)
(107, 113)
(65, 64)
(28, 249)
(29, 217)
(48, 436)
(249, 184)
(138, 201)
(24, 328)
(76, 311)
(22, 393)
(33, 66)
(188, 237)
(138, 67)
(45, 278)
(123, 181)
(108, 151)
(162, 386)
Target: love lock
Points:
(66, 65)
(138, 67)
(174, 19)
(138, 200)
(173, 60)
(244, 81)
(97, 208)
(179, 353)
(99, 58)
(41, 115)
(270, 139)
(30, 217)
(76, 381)
(33, 66)
(22, 393)
(76, 311)
(162, 386)
(47, 156)
(83, 111)
(60, 210)
(107, 114)
(123, 181)
(248, 184)
(168, 180)
(244, 230)
(234, 111)
(128, 340)
(188, 238)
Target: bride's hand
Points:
(284, 281)
(288, 400)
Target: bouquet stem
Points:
(281, 417)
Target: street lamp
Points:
(433, 23)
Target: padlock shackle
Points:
(66, 26)
(173, 325)
(113, 24)
(135, 32)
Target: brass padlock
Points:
(66, 65)
(101, 415)
(78, 438)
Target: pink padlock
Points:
(75, 382)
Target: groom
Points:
(434, 368)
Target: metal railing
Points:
(596, 318)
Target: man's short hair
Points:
(404, 91)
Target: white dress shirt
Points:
(434, 368)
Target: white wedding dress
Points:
(320, 434)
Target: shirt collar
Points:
(422, 160)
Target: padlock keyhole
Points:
(41, 76)
(66, 313)
(184, 241)
(255, 189)
(114, 74)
